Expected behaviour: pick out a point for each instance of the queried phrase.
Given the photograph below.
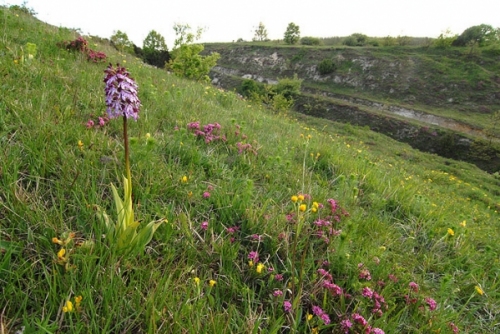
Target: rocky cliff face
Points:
(382, 89)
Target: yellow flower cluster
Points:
(70, 307)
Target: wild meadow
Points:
(212, 214)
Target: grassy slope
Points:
(401, 204)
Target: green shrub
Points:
(250, 87)
(289, 87)
(356, 40)
(310, 41)
(326, 66)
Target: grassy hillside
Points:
(281, 223)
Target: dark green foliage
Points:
(289, 87)
(326, 66)
(482, 34)
(250, 87)
(292, 34)
(356, 40)
(154, 51)
(310, 41)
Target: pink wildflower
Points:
(204, 226)
(278, 277)
(102, 121)
(431, 303)
(413, 286)
(377, 331)
(89, 124)
(254, 256)
(206, 194)
(453, 327)
(287, 306)
(367, 292)
(277, 293)
(345, 325)
(357, 318)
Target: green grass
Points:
(395, 208)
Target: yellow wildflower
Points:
(68, 307)
(57, 241)
(309, 316)
(463, 224)
(61, 253)
(184, 179)
(259, 268)
(303, 207)
(315, 205)
(300, 197)
(212, 283)
(196, 280)
(479, 290)
(313, 209)
(148, 135)
(294, 198)
(80, 145)
(250, 263)
(451, 232)
(314, 330)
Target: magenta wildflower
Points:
(325, 274)
(333, 205)
(278, 277)
(358, 318)
(204, 226)
(367, 292)
(345, 325)
(206, 194)
(413, 286)
(393, 278)
(432, 303)
(453, 327)
(287, 306)
(102, 121)
(377, 331)
(365, 274)
(325, 318)
(253, 256)
(121, 93)
(277, 293)
(321, 314)
(89, 124)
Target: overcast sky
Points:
(229, 20)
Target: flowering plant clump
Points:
(210, 132)
(81, 45)
(122, 101)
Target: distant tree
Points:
(260, 33)
(292, 33)
(121, 42)
(186, 59)
(483, 34)
(154, 50)
(154, 42)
